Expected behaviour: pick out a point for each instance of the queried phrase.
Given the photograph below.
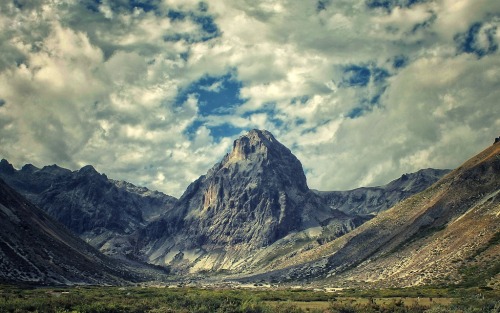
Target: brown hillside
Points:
(448, 233)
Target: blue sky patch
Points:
(191, 129)
(360, 75)
(400, 61)
(367, 104)
(469, 41)
(356, 112)
(175, 15)
(389, 5)
(355, 76)
(128, 5)
(208, 27)
(224, 130)
(216, 95)
(145, 5)
(93, 5)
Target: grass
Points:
(156, 300)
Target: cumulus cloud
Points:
(155, 92)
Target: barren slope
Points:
(449, 233)
(36, 249)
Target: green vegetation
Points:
(157, 300)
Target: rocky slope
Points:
(102, 211)
(36, 249)
(372, 200)
(253, 203)
(449, 233)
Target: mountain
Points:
(36, 249)
(102, 211)
(372, 200)
(250, 205)
(447, 234)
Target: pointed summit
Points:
(6, 167)
(255, 144)
(29, 168)
(88, 169)
(254, 197)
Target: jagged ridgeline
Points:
(249, 210)
(102, 211)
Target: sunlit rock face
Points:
(255, 196)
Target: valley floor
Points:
(186, 299)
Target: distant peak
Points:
(55, 170)
(29, 168)
(6, 167)
(88, 169)
(51, 168)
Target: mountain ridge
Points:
(372, 200)
(36, 249)
(247, 210)
(433, 237)
(102, 211)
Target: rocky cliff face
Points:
(36, 249)
(372, 200)
(256, 196)
(101, 211)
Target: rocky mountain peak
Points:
(55, 170)
(30, 168)
(256, 142)
(6, 167)
(258, 156)
(254, 197)
(88, 171)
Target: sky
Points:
(155, 91)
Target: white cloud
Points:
(100, 86)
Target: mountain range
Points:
(99, 210)
(253, 217)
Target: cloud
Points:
(154, 92)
